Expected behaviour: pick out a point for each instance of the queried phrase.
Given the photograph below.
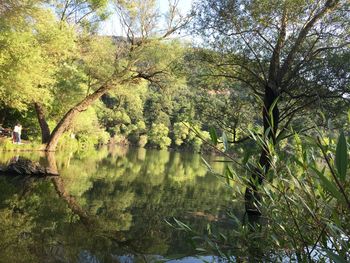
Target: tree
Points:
(85, 16)
(84, 13)
(34, 44)
(132, 61)
(283, 52)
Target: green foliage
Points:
(30, 57)
(143, 140)
(87, 131)
(158, 136)
(68, 142)
(189, 136)
(304, 204)
(341, 157)
(58, 61)
(163, 93)
(196, 144)
(83, 13)
(181, 132)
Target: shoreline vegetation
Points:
(37, 146)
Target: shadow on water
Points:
(109, 206)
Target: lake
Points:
(112, 205)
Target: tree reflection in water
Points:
(109, 204)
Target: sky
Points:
(112, 25)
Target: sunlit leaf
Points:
(328, 185)
(271, 111)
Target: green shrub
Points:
(158, 136)
(184, 136)
(181, 132)
(304, 202)
(68, 142)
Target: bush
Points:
(158, 136)
(181, 132)
(68, 142)
(85, 132)
(304, 200)
(185, 137)
(103, 137)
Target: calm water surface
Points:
(110, 206)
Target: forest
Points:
(260, 89)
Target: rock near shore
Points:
(25, 167)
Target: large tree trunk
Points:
(68, 118)
(277, 73)
(45, 130)
(271, 122)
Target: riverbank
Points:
(6, 144)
